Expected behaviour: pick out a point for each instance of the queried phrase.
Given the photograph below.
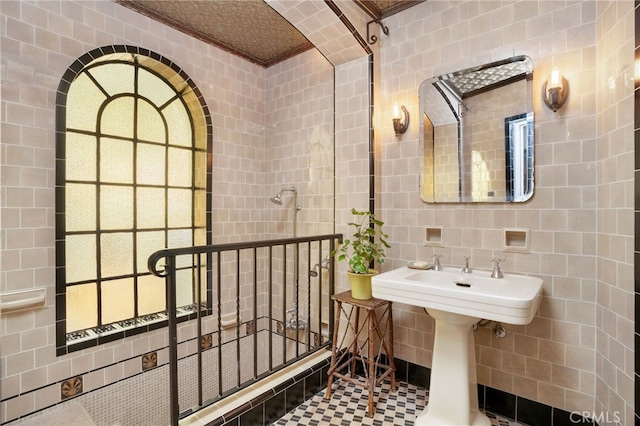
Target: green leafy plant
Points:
(368, 244)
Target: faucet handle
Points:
(436, 262)
(466, 269)
(497, 273)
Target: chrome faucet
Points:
(497, 273)
(293, 309)
(295, 323)
(466, 269)
(436, 262)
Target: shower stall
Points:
(246, 304)
(259, 286)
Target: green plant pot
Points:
(361, 284)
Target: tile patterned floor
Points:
(348, 406)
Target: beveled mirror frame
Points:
(476, 134)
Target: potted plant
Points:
(366, 247)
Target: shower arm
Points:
(277, 199)
(292, 189)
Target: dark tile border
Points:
(514, 407)
(275, 403)
(505, 404)
(500, 402)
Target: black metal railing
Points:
(243, 294)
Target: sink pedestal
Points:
(453, 393)
(458, 300)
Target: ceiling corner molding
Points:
(289, 54)
(167, 20)
(259, 32)
(372, 8)
(399, 7)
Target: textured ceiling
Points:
(248, 28)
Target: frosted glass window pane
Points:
(81, 157)
(151, 294)
(80, 207)
(184, 287)
(115, 78)
(116, 207)
(180, 238)
(82, 307)
(179, 208)
(148, 243)
(83, 101)
(116, 161)
(150, 164)
(177, 238)
(180, 167)
(153, 88)
(179, 124)
(116, 254)
(117, 118)
(151, 127)
(80, 251)
(117, 300)
(151, 208)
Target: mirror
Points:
(476, 134)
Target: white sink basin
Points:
(457, 301)
(513, 299)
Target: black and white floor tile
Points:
(348, 406)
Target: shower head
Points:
(277, 199)
(314, 271)
(324, 265)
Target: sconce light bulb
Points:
(555, 81)
(400, 126)
(555, 90)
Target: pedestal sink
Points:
(457, 301)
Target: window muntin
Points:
(136, 179)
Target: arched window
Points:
(132, 177)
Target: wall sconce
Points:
(555, 90)
(400, 126)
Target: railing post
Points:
(198, 280)
(332, 285)
(170, 269)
